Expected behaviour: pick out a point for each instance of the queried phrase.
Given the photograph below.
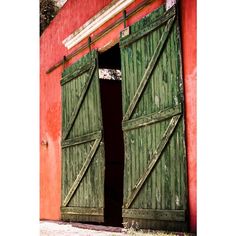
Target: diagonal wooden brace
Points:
(157, 154)
(79, 103)
(82, 172)
(149, 70)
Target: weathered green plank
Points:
(81, 70)
(131, 137)
(82, 218)
(160, 93)
(81, 98)
(125, 94)
(82, 172)
(80, 63)
(152, 224)
(144, 108)
(151, 118)
(77, 145)
(138, 35)
(82, 210)
(155, 131)
(135, 162)
(149, 70)
(155, 158)
(172, 100)
(175, 215)
(81, 139)
(168, 94)
(159, 101)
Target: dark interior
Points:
(110, 59)
(111, 101)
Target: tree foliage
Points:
(48, 10)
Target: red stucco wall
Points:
(70, 18)
(189, 48)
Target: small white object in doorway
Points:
(110, 74)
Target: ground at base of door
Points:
(58, 228)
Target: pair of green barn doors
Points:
(155, 178)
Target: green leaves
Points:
(48, 10)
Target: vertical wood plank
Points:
(137, 112)
(73, 157)
(169, 85)
(167, 179)
(144, 131)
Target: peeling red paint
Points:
(52, 50)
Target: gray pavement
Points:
(59, 228)
(49, 228)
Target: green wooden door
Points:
(82, 142)
(155, 180)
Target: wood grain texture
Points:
(81, 139)
(151, 118)
(155, 24)
(175, 215)
(149, 69)
(82, 147)
(152, 103)
(79, 103)
(82, 211)
(157, 153)
(82, 172)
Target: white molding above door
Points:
(95, 22)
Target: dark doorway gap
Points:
(111, 100)
(110, 58)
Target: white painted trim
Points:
(94, 23)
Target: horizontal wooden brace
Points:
(82, 211)
(82, 172)
(141, 33)
(78, 71)
(151, 118)
(148, 72)
(82, 218)
(155, 157)
(81, 139)
(79, 103)
(151, 214)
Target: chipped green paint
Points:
(155, 161)
(82, 142)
